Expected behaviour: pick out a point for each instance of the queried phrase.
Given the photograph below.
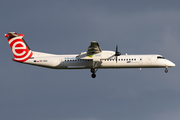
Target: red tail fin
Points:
(19, 48)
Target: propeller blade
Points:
(117, 53)
(116, 48)
(116, 59)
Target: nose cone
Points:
(171, 64)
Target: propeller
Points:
(117, 53)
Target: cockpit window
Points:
(160, 57)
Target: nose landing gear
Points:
(93, 71)
(166, 70)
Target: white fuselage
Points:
(123, 61)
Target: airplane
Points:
(94, 58)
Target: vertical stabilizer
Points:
(20, 49)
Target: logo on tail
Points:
(19, 47)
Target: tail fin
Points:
(19, 48)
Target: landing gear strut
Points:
(166, 70)
(93, 71)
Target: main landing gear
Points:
(166, 70)
(93, 71)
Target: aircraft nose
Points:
(171, 64)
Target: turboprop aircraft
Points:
(94, 58)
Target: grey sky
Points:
(68, 26)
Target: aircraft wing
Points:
(94, 48)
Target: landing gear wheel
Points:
(93, 75)
(166, 70)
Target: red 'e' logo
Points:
(19, 49)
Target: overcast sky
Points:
(67, 27)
